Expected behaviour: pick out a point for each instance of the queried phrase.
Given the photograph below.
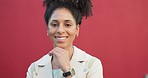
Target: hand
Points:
(60, 59)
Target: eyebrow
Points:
(64, 21)
(54, 21)
(68, 21)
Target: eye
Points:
(54, 24)
(68, 25)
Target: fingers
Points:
(56, 51)
(50, 53)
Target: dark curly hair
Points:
(78, 8)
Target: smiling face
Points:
(62, 28)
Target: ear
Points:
(47, 32)
(78, 30)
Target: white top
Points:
(85, 66)
(57, 73)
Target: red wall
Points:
(117, 34)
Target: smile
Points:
(61, 37)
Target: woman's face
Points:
(62, 28)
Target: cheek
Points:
(51, 32)
(72, 33)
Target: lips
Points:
(61, 37)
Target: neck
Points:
(71, 50)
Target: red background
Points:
(117, 34)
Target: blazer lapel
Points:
(78, 62)
(44, 68)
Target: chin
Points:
(61, 46)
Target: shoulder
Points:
(39, 63)
(83, 53)
(94, 66)
(43, 60)
(93, 61)
(90, 62)
(84, 56)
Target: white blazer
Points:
(85, 66)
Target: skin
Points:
(62, 30)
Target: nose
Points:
(60, 29)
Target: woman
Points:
(63, 19)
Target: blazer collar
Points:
(78, 55)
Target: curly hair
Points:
(78, 8)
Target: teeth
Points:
(61, 38)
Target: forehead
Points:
(62, 14)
